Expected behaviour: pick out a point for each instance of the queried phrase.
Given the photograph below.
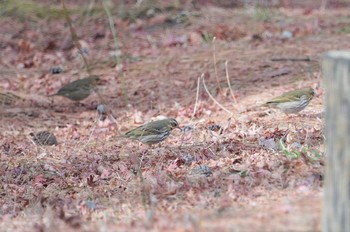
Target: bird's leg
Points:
(72, 108)
(79, 104)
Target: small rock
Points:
(287, 34)
(215, 127)
(186, 129)
(202, 170)
(102, 112)
(56, 70)
(268, 143)
(188, 159)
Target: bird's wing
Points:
(72, 87)
(143, 130)
(287, 97)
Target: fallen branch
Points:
(291, 59)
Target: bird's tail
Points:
(52, 95)
(256, 107)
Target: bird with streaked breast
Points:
(292, 102)
(153, 132)
(79, 89)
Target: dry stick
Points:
(116, 46)
(290, 59)
(212, 98)
(197, 96)
(229, 84)
(195, 104)
(90, 136)
(215, 69)
(75, 37)
(144, 195)
(113, 30)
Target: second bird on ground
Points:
(292, 102)
(78, 90)
(44, 138)
(153, 132)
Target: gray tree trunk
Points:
(336, 210)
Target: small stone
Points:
(56, 70)
(202, 170)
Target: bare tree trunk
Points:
(336, 210)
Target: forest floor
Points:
(263, 172)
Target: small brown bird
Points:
(292, 102)
(78, 90)
(44, 138)
(153, 132)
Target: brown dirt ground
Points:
(195, 181)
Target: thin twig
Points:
(227, 126)
(145, 195)
(142, 185)
(113, 30)
(116, 47)
(215, 69)
(229, 84)
(75, 37)
(90, 136)
(212, 98)
(290, 59)
(197, 96)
